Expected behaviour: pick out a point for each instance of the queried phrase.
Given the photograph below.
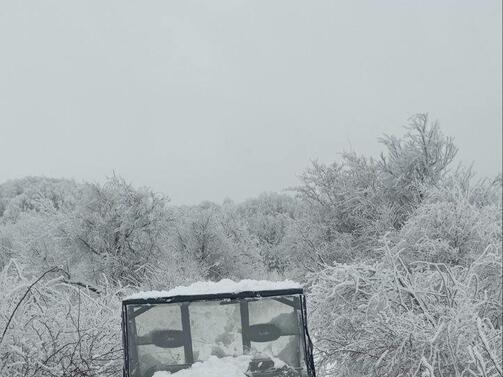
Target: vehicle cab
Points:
(259, 328)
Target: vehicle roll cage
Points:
(131, 308)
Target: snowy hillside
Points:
(400, 257)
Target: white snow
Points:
(214, 367)
(218, 367)
(222, 286)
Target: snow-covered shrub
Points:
(365, 199)
(390, 319)
(421, 157)
(344, 201)
(268, 218)
(172, 269)
(455, 223)
(346, 195)
(122, 226)
(50, 327)
(36, 194)
(35, 239)
(306, 247)
(216, 239)
(34, 212)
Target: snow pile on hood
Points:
(214, 367)
(223, 286)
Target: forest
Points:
(400, 255)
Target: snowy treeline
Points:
(400, 254)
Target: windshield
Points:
(171, 337)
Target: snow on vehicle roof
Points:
(222, 286)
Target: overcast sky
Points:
(216, 99)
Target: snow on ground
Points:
(222, 286)
(214, 367)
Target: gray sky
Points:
(215, 99)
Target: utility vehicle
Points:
(263, 323)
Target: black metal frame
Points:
(243, 297)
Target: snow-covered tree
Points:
(401, 257)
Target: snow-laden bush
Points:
(51, 327)
(121, 227)
(217, 239)
(36, 194)
(421, 157)
(455, 223)
(393, 319)
(268, 218)
(361, 199)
